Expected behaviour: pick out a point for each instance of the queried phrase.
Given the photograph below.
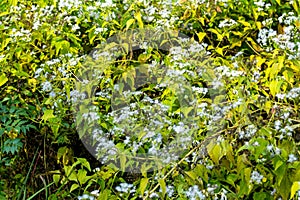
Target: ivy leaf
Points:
(74, 187)
(48, 114)
(82, 177)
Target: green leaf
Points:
(284, 187)
(3, 79)
(280, 173)
(74, 187)
(56, 178)
(48, 114)
(231, 178)
(215, 151)
(295, 5)
(12, 145)
(163, 186)
(104, 194)
(85, 163)
(259, 196)
(123, 162)
(82, 177)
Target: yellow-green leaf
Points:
(32, 82)
(245, 23)
(201, 35)
(219, 51)
(295, 187)
(129, 23)
(56, 178)
(220, 37)
(236, 44)
(214, 151)
(260, 61)
(48, 114)
(275, 87)
(138, 17)
(4, 13)
(74, 187)
(201, 19)
(82, 177)
(123, 162)
(3, 79)
(143, 185)
(163, 186)
(295, 5)
(258, 24)
(255, 46)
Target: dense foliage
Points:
(212, 88)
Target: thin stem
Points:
(178, 163)
(252, 48)
(27, 176)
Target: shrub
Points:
(210, 89)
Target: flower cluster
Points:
(126, 188)
(256, 177)
(287, 39)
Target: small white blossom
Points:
(292, 158)
(256, 177)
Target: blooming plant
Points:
(187, 99)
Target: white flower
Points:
(194, 193)
(280, 96)
(52, 94)
(256, 177)
(227, 23)
(97, 169)
(100, 30)
(127, 140)
(277, 124)
(107, 4)
(86, 196)
(270, 147)
(126, 188)
(91, 116)
(95, 192)
(292, 158)
(47, 86)
(277, 151)
(37, 72)
(255, 143)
